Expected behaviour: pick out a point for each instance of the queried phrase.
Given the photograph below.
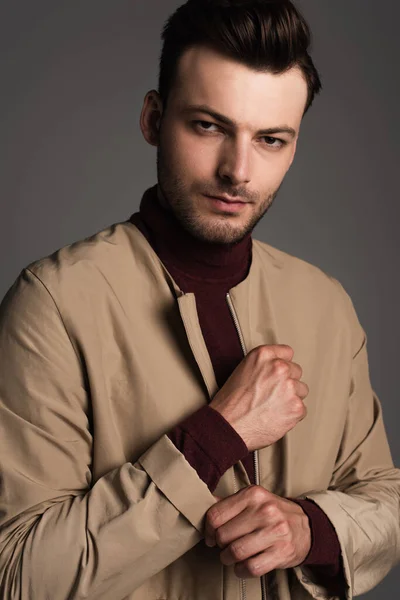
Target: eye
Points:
(205, 125)
(273, 142)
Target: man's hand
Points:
(258, 532)
(263, 398)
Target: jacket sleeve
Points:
(362, 500)
(63, 536)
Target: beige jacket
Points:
(101, 355)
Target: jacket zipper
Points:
(255, 454)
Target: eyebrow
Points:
(219, 117)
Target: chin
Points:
(216, 235)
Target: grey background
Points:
(72, 160)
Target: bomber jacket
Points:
(102, 354)
(207, 441)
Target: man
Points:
(186, 412)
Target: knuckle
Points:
(298, 408)
(263, 353)
(289, 350)
(282, 529)
(269, 511)
(213, 516)
(291, 387)
(256, 494)
(281, 367)
(237, 551)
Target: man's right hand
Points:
(263, 398)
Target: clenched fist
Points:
(263, 398)
(258, 532)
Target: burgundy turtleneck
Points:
(208, 442)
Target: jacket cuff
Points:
(171, 474)
(209, 444)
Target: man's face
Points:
(227, 131)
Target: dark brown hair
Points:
(266, 35)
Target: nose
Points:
(234, 163)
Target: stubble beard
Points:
(220, 230)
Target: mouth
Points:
(226, 204)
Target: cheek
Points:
(190, 157)
(176, 149)
(190, 147)
(270, 172)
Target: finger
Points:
(247, 546)
(296, 371)
(222, 512)
(244, 523)
(258, 515)
(302, 389)
(283, 351)
(209, 534)
(256, 566)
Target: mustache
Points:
(240, 194)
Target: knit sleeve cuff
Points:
(325, 546)
(209, 443)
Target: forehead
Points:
(205, 76)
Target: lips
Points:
(224, 205)
(229, 200)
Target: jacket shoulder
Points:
(83, 258)
(293, 266)
(305, 285)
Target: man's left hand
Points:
(258, 532)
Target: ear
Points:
(150, 117)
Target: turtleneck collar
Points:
(194, 258)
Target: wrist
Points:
(233, 422)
